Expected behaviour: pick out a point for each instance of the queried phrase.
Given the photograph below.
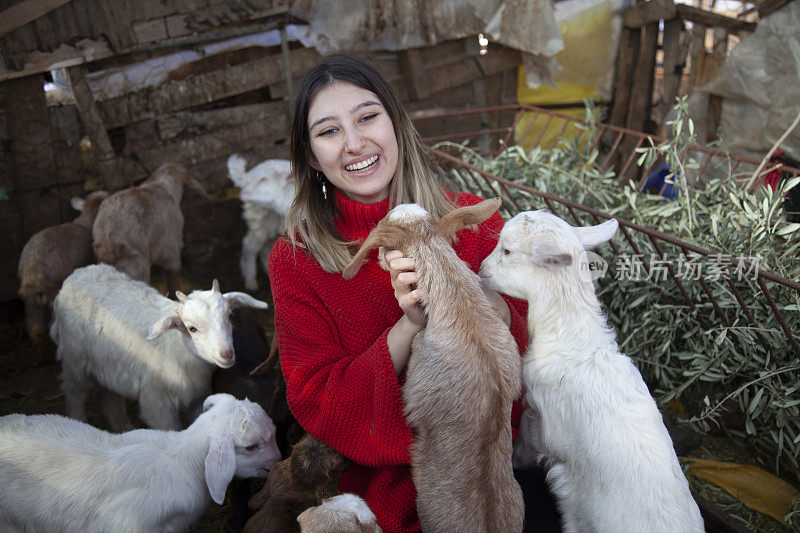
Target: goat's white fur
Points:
(266, 192)
(139, 344)
(344, 513)
(613, 465)
(59, 474)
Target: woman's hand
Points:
(404, 278)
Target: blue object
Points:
(655, 183)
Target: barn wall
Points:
(210, 109)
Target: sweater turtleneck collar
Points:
(355, 220)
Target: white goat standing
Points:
(143, 226)
(59, 474)
(461, 379)
(266, 191)
(613, 465)
(140, 345)
(51, 255)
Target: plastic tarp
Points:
(371, 25)
(590, 29)
(760, 86)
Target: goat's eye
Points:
(506, 251)
(192, 329)
(252, 447)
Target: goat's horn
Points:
(215, 285)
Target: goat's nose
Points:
(227, 356)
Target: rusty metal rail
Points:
(485, 184)
(617, 145)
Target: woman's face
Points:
(353, 141)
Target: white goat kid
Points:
(266, 192)
(613, 465)
(58, 474)
(344, 513)
(140, 345)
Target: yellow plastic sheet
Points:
(753, 486)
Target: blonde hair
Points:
(311, 216)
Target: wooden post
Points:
(698, 53)
(642, 88)
(96, 129)
(714, 114)
(414, 73)
(673, 66)
(626, 60)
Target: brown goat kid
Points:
(462, 377)
(51, 255)
(307, 477)
(142, 226)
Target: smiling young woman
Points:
(344, 344)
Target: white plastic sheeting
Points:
(370, 25)
(760, 86)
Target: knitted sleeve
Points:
(353, 402)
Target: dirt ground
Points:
(30, 388)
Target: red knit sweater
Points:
(340, 381)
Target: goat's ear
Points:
(593, 236)
(170, 321)
(77, 203)
(220, 466)
(550, 256)
(241, 299)
(460, 218)
(214, 399)
(379, 236)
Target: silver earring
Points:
(322, 182)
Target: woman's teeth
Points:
(362, 165)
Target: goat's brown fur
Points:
(49, 257)
(308, 476)
(143, 225)
(462, 378)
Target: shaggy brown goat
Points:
(143, 225)
(308, 476)
(462, 377)
(49, 257)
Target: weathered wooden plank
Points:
(33, 171)
(645, 13)
(220, 143)
(673, 66)
(414, 73)
(642, 88)
(629, 44)
(469, 68)
(204, 88)
(709, 18)
(698, 54)
(202, 122)
(149, 31)
(26, 11)
(65, 130)
(95, 128)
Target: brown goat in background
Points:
(463, 375)
(307, 477)
(51, 255)
(143, 225)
